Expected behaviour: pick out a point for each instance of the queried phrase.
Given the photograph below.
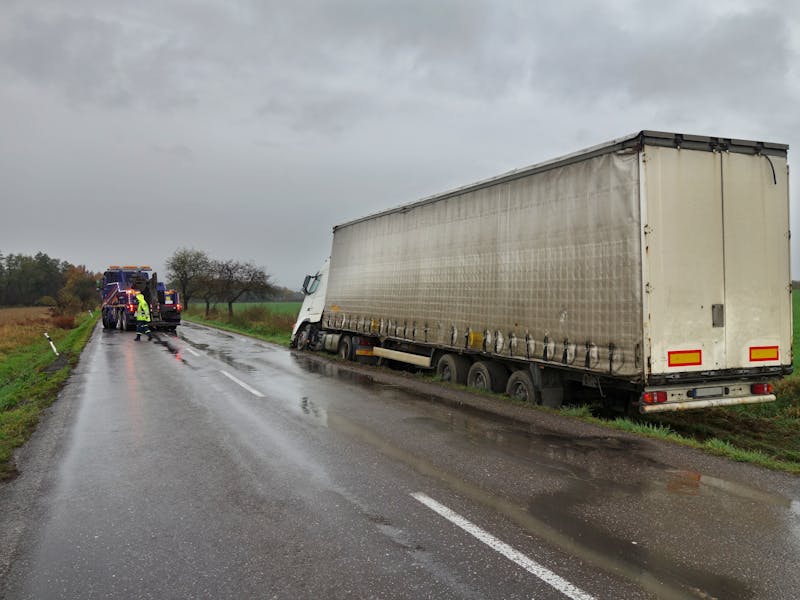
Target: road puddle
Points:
(309, 408)
(170, 346)
(605, 499)
(329, 369)
(549, 516)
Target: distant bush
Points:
(64, 321)
(255, 313)
(46, 301)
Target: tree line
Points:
(43, 280)
(197, 276)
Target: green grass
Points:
(581, 412)
(283, 308)
(30, 378)
(713, 445)
(270, 321)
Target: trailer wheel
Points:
(453, 368)
(520, 387)
(489, 376)
(346, 347)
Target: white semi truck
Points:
(653, 269)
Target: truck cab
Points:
(118, 289)
(314, 288)
(169, 307)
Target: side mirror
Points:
(306, 281)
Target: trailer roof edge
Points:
(631, 141)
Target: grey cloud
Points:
(262, 123)
(730, 60)
(178, 151)
(316, 109)
(94, 60)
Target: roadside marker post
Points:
(52, 345)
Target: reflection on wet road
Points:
(233, 465)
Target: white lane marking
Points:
(252, 390)
(190, 351)
(543, 573)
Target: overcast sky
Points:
(249, 128)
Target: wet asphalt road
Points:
(211, 465)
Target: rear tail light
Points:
(761, 388)
(654, 397)
(180, 307)
(130, 308)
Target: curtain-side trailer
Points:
(653, 269)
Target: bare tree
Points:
(234, 279)
(207, 287)
(189, 269)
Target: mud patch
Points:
(59, 363)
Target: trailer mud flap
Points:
(548, 386)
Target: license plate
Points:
(708, 392)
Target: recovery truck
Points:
(652, 270)
(118, 290)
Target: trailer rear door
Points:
(684, 274)
(716, 261)
(757, 275)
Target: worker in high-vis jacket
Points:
(142, 318)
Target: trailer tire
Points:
(453, 368)
(301, 341)
(520, 387)
(487, 375)
(346, 347)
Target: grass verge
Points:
(30, 379)
(269, 321)
(712, 445)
